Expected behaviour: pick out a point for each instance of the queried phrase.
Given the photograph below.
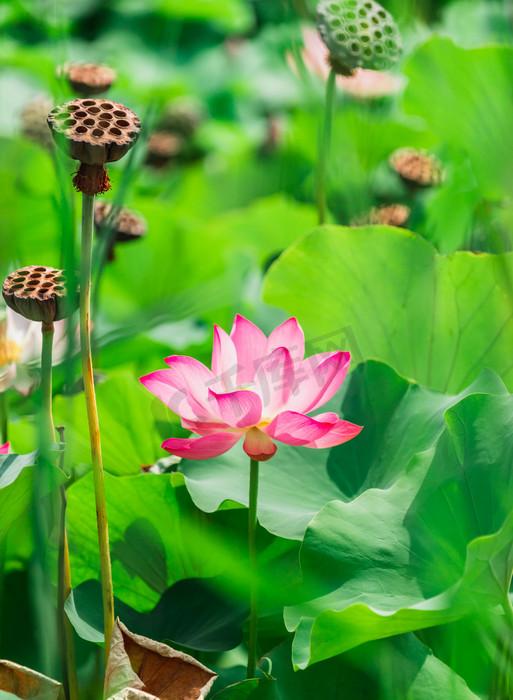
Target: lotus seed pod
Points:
(417, 168)
(183, 116)
(94, 132)
(387, 215)
(38, 293)
(33, 122)
(89, 79)
(358, 34)
(127, 224)
(163, 148)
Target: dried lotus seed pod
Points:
(358, 34)
(94, 132)
(386, 215)
(127, 224)
(163, 147)
(182, 116)
(417, 168)
(38, 293)
(89, 79)
(118, 226)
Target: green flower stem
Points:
(324, 146)
(253, 605)
(92, 416)
(4, 417)
(65, 629)
(47, 330)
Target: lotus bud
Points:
(358, 34)
(89, 79)
(417, 168)
(94, 132)
(38, 294)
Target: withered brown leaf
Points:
(25, 683)
(139, 667)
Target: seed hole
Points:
(39, 269)
(14, 287)
(80, 114)
(70, 122)
(47, 285)
(105, 115)
(72, 108)
(119, 113)
(115, 131)
(94, 110)
(104, 124)
(89, 121)
(88, 103)
(81, 129)
(106, 105)
(59, 288)
(122, 122)
(98, 132)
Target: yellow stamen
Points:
(10, 351)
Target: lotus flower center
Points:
(10, 351)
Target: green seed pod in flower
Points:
(358, 34)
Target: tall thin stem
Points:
(47, 330)
(252, 549)
(65, 630)
(324, 146)
(92, 416)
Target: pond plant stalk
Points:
(92, 416)
(39, 294)
(253, 563)
(357, 34)
(94, 132)
(324, 145)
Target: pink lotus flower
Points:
(260, 389)
(4, 449)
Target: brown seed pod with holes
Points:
(38, 293)
(163, 148)
(89, 79)
(94, 132)
(417, 168)
(123, 226)
(387, 215)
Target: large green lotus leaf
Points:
(388, 295)
(472, 111)
(130, 419)
(400, 419)
(431, 548)
(156, 537)
(16, 486)
(192, 613)
(392, 669)
(195, 265)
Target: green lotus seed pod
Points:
(358, 34)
